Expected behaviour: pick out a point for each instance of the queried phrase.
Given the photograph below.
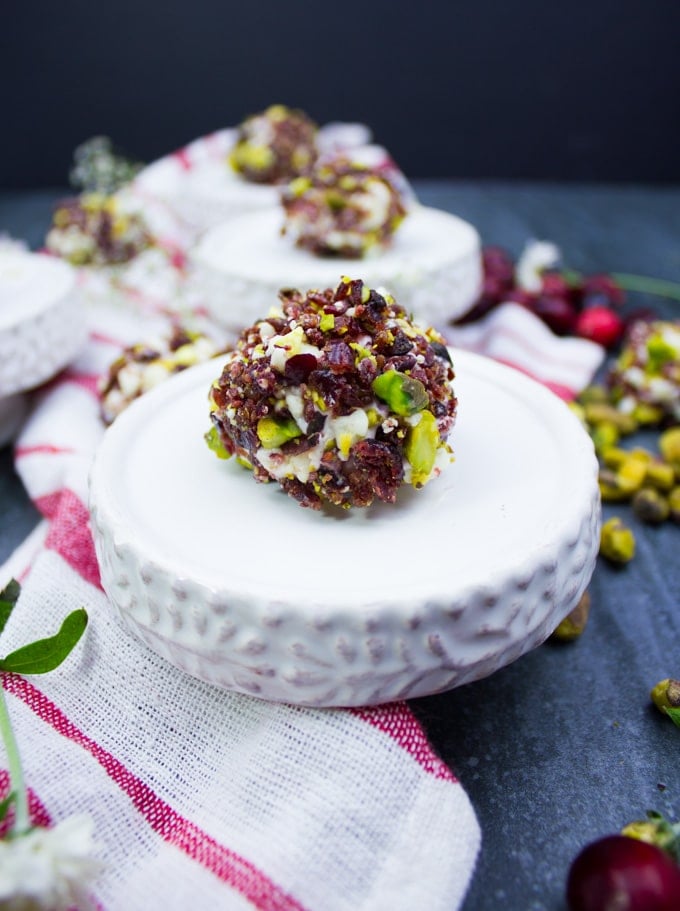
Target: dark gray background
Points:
(533, 89)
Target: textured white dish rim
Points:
(252, 244)
(40, 282)
(522, 484)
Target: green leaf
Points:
(8, 599)
(46, 654)
(674, 715)
(6, 804)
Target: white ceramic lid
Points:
(42, 324)
(253, 245)
(236, 583)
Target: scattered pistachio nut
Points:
(575, 622)
(666, 694)
(650, 506)
(617, 541)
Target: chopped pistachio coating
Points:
(274, 146)
(343, 208)
(422, 442)
(97, 230)
(402, 393)
(274, 431)
(338, 397)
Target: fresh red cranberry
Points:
(498, 263)
(606, 286)
(494, 288)
(557, 312)
(520, 296)
(483, 306)
(555, 285)
(617, 873)
(601, 325)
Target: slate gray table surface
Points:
(563, 746)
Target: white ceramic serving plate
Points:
(235, 583)
(433, 268)
(42, 324)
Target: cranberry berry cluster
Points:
(585, 306)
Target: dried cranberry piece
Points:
(298, 367)
(402, 343)
(441, 351)
(339, 357)
(378, 465)
(340, 395)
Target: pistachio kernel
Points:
(212, 438)
(650, 506)
(617, 542)
(666, 694)
(404, 394)
(273, 431)
(575, 622)
(420, 448)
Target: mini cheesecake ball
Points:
(338, 397)
(142, 366)
(97, 230)
(274, 146)
(647, 371)
(343, 208)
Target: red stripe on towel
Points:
(398, 722)
(69, 534)
(232, 869)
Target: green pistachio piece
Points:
(617, 542)
(274, 431)
(215, 444)
(574, 623)
(666, 694)
(669, 444)
(421, 447)
(402, 393)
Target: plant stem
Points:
(16, 773)
(646, 285)
(660, 287)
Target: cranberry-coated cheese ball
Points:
(647, 371)
(338, 396)
(274, 146)
(343, 208)
(97, 230)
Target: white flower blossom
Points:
(537, 256)
(48, 869)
